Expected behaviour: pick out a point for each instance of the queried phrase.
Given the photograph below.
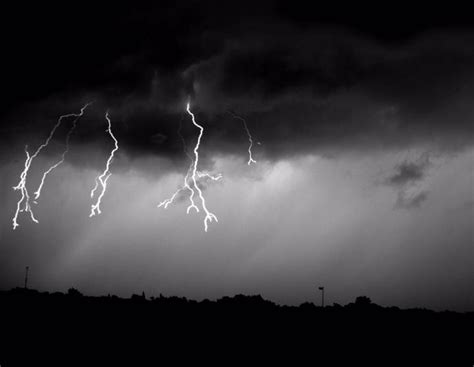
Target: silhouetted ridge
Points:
(105, 330)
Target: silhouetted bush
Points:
(363, 301)
(73, 292)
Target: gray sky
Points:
(284, 227)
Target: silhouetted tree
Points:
(363, 301)
(73, 292)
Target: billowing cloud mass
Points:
(353, 118)
(319, 88)
(407, 178)
(409, 172)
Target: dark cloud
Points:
(406, 179)
(409, 172)
(328, 90)
(324, 85)
(410, 202)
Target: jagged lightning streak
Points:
(191, 174)
(103, 178)
(63, 156)
(25, 197)
(185, 185)
(208, 175)
(251, 160)
(24, 192)
(209, 216)
(167, 202)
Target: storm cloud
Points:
(302, 89)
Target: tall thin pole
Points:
(26, 276)
(322, 295)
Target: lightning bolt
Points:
(192, 175)
(167, 202)
(25, 197)
(251, 160)
(209, 216)
(103, 178)
(185, 186)
(208, 175)
(24, 202)
(63, 156)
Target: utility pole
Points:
(26, 276)
(322, 295)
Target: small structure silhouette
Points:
(26, 276)
(322, 295)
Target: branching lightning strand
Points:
(63, 156)
(251, 160)
(194, 175)
(209, 216)
(192, 205)
(25, 197)
(103, 178)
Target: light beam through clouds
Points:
(103, 178)
(23, 204)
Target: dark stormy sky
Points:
(362, 121)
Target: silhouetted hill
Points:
(41, 328)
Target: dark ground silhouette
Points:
(42, 329)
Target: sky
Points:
(361, 129)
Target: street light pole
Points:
(322, 296)
(26, 276)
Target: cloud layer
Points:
(303, 89)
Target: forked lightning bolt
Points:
(193, 174)
(25, 197)
(251, 160)
(192, 205)
(24, 202)
(63, 156)
(209, 216)
(185, 186)
(103, 178)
